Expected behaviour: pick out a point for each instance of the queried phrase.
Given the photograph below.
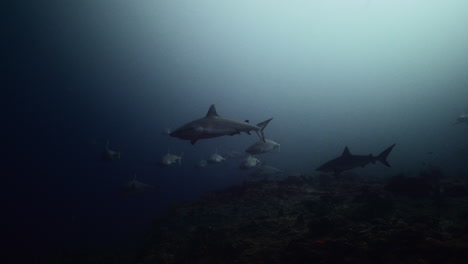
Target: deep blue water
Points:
(331, 74)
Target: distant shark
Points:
(348, 161)
(212, 125)
(463, 118)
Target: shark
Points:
(463, 118)
(348, 161)
(212, 125)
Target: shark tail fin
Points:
(180, 158)
(262, 126)
(382, 157)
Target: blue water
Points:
(365, 74)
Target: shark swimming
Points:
(212, 125)
(348, 161)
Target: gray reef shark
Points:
(463, 118)
(348, 161)
(260, 147)
(212, 125)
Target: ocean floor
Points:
(417, 219)
(322, 219)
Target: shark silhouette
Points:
(347, 161)
(212, 125)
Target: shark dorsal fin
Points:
(346, 152)
(212, 112)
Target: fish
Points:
(249, 162)
(170, 159)
(201, 164)
(109, 154)
(260, 147)
(216, 158)
(348, 161)
(166, 131)
(212, 125)
(463, 118)
(265, 172)
(134, 186)
(233, 154)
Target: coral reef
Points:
(321, 219)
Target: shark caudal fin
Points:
(382, 157)
(262, 126)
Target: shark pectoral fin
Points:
(193, 141)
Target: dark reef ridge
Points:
(303, 219)
(349, 218)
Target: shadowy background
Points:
(365, 74)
